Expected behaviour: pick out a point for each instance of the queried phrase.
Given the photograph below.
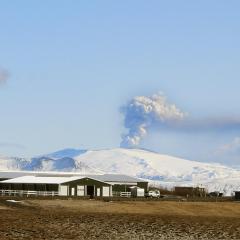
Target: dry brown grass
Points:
(85, 219)
(213, 209)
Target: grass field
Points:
(90, 219)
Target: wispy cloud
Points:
(230, 148)
(4, 75)
(220, 123)
(11, 145)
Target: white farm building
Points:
(68, 184)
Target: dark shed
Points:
(237, 195)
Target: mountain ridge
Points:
(158, 169)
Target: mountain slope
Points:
(68, 152)
(12, 163)
(158, 169)
(63, 164)
(153, 166)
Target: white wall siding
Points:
(63, 190)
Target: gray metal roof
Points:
(13, 174)
(41, 180)
(101, 177)
(47, 180)
(116, 178)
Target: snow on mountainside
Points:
(66, 164)
(69, 152)
(164, 170)
(158, 169)
(45, 163)
(154, 166)
(12, 163)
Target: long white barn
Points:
(67, 184)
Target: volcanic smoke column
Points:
(143, 112)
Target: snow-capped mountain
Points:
(159, 169)
(63, 164)
(163, 170)
(46, 163)
(12, 163)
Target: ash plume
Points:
(144, 112)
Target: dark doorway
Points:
(90, 191)
(237, 195)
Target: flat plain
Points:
(95, 219)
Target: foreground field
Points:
(89, 219)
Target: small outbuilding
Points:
(137, 191)
(237, 195)
(190, 191)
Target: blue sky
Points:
(73, 64)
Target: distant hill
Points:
(159, 169)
